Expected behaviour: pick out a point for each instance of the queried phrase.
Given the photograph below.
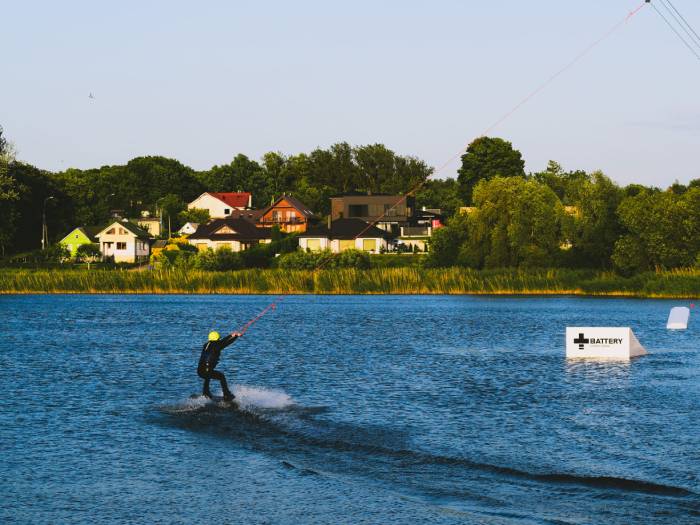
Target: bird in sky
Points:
(91, 96)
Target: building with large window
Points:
(388, 212)
(345, 234)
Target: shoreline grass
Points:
(676, 284)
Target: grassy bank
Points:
(671, 284)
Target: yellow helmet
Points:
(214, 336)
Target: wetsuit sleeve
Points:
(227, 341)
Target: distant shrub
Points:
(324, 260)
(352, 259)
(88, 252)
(220, 260)
(56, 253)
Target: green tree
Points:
(194, 215)
(9, 194)
(241, 174)
(486, 158)
(446, 242)
(565, 184)
(517, 222)
(663, 230)
(440, 193)
(88, 252)
(33, 187)
(171, 206)
(591, 224)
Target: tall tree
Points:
(486, 158)
(241, 174)
(440, 193)
(663, 230)
(171, 206)
(516, 223)
(565, 184)
(591, 222)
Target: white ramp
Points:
(678, 318)
(602, 343)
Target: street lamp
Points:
(44, 229)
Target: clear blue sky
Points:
(203, 81)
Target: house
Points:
(124, 241)
(388, 212)
(236, 234)
(287, 212)
(188, 228)
(345, 234)
(417, 235)
(152, 225)
(221, 204)
(79, 236)
(251, 215)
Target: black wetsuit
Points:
(208, 361)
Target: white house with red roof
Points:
(220, 205)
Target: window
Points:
(276, 216)
(358, 210)
(346, 244)
(121, 246)
(110, 231)
(369, 245)
(313, 244)
(227, 211)
(122, 231)
(76, 235)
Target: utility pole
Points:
(44, 229)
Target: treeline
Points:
(559, 218)
(553, 218)
(159, 184)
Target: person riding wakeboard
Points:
(211, 351)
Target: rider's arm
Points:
(229, 339)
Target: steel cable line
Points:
(273, 305)
(687, 24)
(693, 39)
(680, 37)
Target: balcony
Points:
(416, 231)
(283, 220)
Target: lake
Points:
(354, 409)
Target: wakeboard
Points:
(219, 401)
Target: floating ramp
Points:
(597, 342)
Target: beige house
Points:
(235, 234)
(345, 234)
(124, 241)
(151, 225)
(220, 205)
(388, 212)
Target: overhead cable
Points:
(680, 37)
(685, 23)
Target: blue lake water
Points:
(354, 409)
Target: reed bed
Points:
(683, 283)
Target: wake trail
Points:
(263, 415)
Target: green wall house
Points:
(78, 237)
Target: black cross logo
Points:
(581, 341)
